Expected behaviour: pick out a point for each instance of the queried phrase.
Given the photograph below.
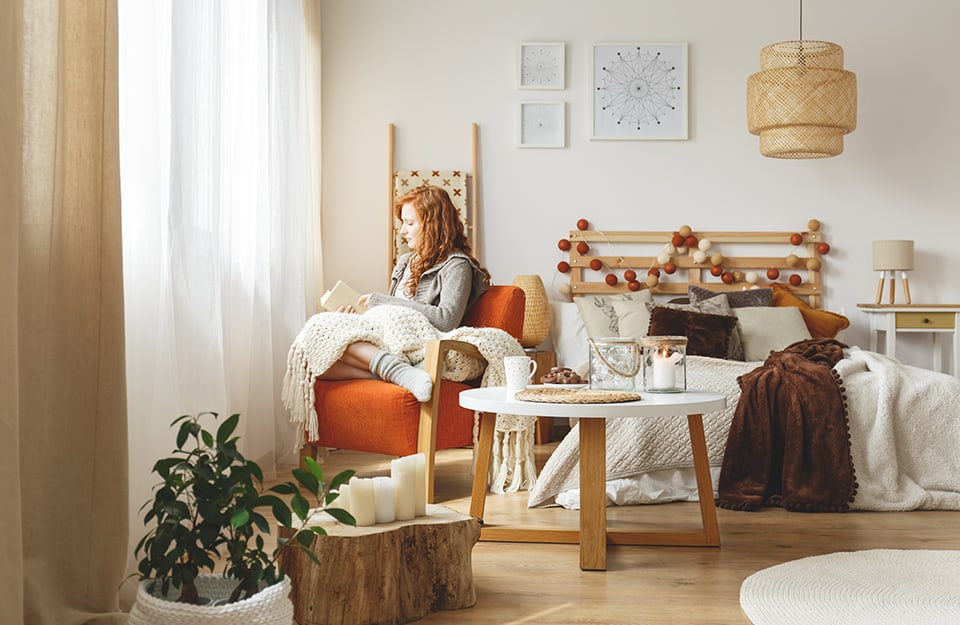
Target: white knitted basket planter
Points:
(270, 606)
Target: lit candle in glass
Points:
(665, 368)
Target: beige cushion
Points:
(601, 318)
(769, 328)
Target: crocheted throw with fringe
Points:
(405, 332)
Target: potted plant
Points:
(208, 508)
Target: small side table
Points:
(936, 319)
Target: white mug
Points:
(518, 371)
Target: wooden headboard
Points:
(620, 252)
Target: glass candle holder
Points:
(614, 363)
(664, 364)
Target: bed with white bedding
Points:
(903, 422)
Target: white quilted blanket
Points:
(405, 332)
(904, 436)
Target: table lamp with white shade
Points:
(890, 257)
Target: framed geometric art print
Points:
(639, 91)
(541, 65)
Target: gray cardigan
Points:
(444, 293)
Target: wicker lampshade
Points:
(802, 101)
(536, 313)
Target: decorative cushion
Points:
(714, 306)
(767, 329)
(600, 317)
(737, 299)
(707, 335)
(822, 324)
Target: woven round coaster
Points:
(554, 395)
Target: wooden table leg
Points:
(701, 467)
(593, 494)
(478, 496)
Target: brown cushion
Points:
(707, 335)
(737, 299)
(714, 306)
(822, 324)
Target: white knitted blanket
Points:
(405, 332)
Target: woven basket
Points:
(536, 311)
(270, 606)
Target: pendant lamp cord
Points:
(801, 20)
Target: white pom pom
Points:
(663, 258)
(751, 277)
(705, 244)
(682, 249)
(670, 249)
(564, 289)
(699, 256)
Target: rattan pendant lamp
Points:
(802, 101)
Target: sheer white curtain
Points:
(219, 168)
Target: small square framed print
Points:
(541, 65)
(542, 124)
(639, 91)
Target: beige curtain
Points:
(63, 430)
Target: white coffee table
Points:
(594, 535)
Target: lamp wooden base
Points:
(893, 283)
(387, 574)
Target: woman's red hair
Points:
(441, 231)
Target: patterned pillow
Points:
(737, 299)
(714, 306)
(600, 318)
(707, 335)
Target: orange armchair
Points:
(380, 417)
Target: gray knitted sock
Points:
(389, 367)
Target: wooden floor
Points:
(541, 583)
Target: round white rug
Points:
(875, 587)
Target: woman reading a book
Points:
(439, 278)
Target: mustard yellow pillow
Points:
(822, 324)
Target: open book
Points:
(341, 295)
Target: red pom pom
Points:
(582, 224)
(611, 279)
(691, 242)
(773, 273)
(716, 270)
(669, 267)
(630, 275)
(677, 240)
(633, 285)
(563, 244)
(823, 248)
(727, 277)
(796, 280)
(582, 248)
(796, 238)
(563, 266)
(654, 271)
(596, 264)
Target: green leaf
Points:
(314, 467)
(227, 428)
(341, 478)
(307, 480)
(282, 514)
(240, 518)
(207, 438)
(300, 506)
(285, 488)
(306, 539)
(342, 515)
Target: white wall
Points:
(433, 67)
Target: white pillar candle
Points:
(420, 462)
(362, 503)
(404, 474)
(665, 369)
(343, 501)
(384, 499)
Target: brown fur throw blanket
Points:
(789, 443)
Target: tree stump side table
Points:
(389, 574)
